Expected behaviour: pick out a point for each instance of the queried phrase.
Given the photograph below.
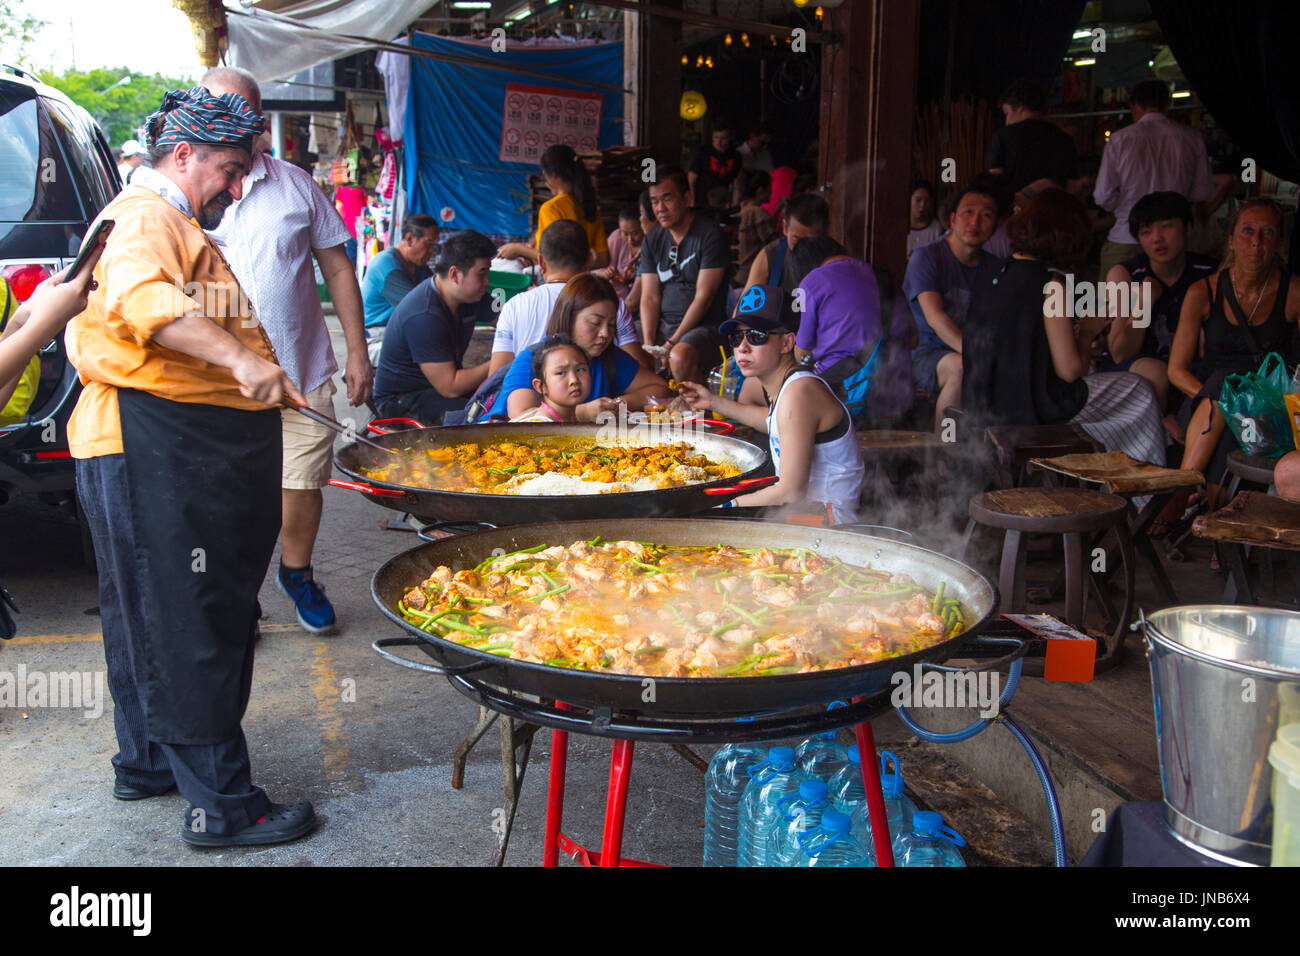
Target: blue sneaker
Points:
(315, 612)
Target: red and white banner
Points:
(537, 117)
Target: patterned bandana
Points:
(196, 116)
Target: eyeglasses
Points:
(753, 336)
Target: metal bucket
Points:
(1221, 676)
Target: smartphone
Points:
(97, 238)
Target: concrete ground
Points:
(368, 742)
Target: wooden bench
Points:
(1014, 446)
(1253, 519)
(1119, 474)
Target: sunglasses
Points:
(753, 336)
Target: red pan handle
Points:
(749, 484)
(367, 489)
(410, 422)
(724, 428)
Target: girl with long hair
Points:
(586, 312)
(574, 198)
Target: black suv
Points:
(56, 174)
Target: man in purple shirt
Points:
(840, 300)
(1153, 155)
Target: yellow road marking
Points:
(336, 757)
(88, 638)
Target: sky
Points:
(147, 36)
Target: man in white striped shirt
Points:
(269, 237)
(1152, 155)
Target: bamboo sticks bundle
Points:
(965, 138)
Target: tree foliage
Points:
(119, 109)
(17, 29)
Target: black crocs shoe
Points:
(125, 791)
(282, 823)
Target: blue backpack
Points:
(881, 386)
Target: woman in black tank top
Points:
(1249, 309)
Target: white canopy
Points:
(271, 49)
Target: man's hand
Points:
(513, 250)
(264, 381)
(588, 411)
(359, 376)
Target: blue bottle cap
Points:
(835, 822)
(812, 791)
(855, 755)
(782, 758)
(927, 822)
(891, 785)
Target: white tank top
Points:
(837, 470)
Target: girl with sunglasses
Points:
(810, 432)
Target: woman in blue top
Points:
(586, 311)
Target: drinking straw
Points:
(722, 386)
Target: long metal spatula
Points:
(339, 427)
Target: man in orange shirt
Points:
(177, 441)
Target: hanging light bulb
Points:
(709, 62)
(686, 60)
(727, 40)
(818, 13)
(772, 37)
(744, 38)
(699, 63)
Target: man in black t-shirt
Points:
(1028, 147)
(716, 164)
(1161, 222)
(682, 268)
(419, 373)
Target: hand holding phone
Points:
(90, 250)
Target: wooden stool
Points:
(1015, 445)
(1119, 474)
(1071, 513)
(1245, 467)
(1253, 519)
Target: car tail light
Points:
(23, 280)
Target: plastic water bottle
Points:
(821, 756)
(898, 808)
(771, 781)
(929, 843)
(832, 844)
(846, 789)
(800, 813)
(725, 784)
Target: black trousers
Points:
(214, 778)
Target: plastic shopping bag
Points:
(1254, 406)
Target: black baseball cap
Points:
(768, 308)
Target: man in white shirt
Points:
(565, 253)
(133, 155)
(269, 237)
(1155, 154)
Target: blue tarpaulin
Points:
(453, 128)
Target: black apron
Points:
(204, 493)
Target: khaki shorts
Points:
(308, 446)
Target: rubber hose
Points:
(956, 736)
(1049, 792)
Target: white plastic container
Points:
(1284, 755)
